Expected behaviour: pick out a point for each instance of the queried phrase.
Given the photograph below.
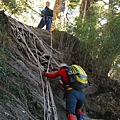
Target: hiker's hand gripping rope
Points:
(44, 72)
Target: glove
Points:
(43, 73)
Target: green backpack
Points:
(78, 77)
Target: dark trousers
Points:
(47, 20)
(74, 100)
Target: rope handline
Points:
(42, 43)
(42, 83)
(47, 85)
(53, 106)
(41, 68)
(49, 95)
(49, 88)
(51, 41)
(48, 101)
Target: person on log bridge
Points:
(46, 15)
(74, 98)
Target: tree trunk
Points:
(56, 11)
(111, 6)
(85, 8)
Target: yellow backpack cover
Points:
(78, 77)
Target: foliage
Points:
(73, 3)
(102, 40)
(4, 52)
(6, 70)
(26, 11)
(3, 69)
(14, 6)
(5, 39)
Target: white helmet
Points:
(63, 65)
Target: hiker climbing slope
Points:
(74, 96)
(46, 15)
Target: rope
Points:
(39, 66)
(42, 83)
(51, 40)
(48, 87)
(53, 107)
(40, 69)
(49, 93)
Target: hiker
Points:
(74, 98)
(46, 15)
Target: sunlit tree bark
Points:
(111, 6)
(56, 11)
(85, 8)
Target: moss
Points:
(3, 68)
(15, 85)
(5, 72)
(5, 97)
(5, 37)
(34, 107)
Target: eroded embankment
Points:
(20, 82)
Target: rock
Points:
(21, 82)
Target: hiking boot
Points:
(80, 115)
(71, 117)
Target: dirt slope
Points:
(24, 51)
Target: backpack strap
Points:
(66, 69)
